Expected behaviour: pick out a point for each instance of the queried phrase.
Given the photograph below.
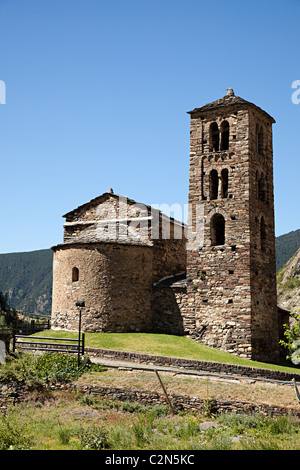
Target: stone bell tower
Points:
(232, 273)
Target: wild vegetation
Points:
(52, 419)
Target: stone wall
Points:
(194, 365)
(190, 404)
(115, 281)
(13, 394)
(233, 286)
(118, 248)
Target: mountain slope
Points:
(286, 246)
(27, 279)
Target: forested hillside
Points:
(27, 277)
(286, 247)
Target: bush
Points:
(35, 370)
(94, 438)
(12, 435)
(292, 343)
(291, 283)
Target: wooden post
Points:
(296, 389)
(165, 392)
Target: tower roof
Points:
(230, 99)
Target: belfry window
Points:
(75, 274)
(217, 230)
(224, 182)
(213, 184)
(214, 138)
(224, 129)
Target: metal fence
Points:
(48, 344)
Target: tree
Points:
(8, 315)
(292, 343)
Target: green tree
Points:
(292, 342)
(8, 315)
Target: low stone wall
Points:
(13, 394)
(190, 404)
(190, 364)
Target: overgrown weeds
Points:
(37, 370)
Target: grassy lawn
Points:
(162, 345)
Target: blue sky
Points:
(97, 94)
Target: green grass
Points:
(68, 421)
(163, 345)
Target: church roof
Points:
(95, 234)
(229, 99)
(103, 197)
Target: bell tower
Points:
(232, 273)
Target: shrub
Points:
(12, 435)
(292, 343)
(34, 371)
(94, 438)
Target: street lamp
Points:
(80, 304)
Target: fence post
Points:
(165, 392)
(82, 344)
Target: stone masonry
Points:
(109, 260)
(137, 269)
(233, 274)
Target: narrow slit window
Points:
(75, 274)
(217, 227)
(213, 184)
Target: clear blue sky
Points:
(97, 94)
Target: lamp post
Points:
(80, 305)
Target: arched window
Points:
(259, 140)
(263, 234)
(224, 129)
(224, 182)
(213, 184)
(75, 274)
(214, 137)
(217, 230)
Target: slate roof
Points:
(228, 100)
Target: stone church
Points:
(138, 270)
